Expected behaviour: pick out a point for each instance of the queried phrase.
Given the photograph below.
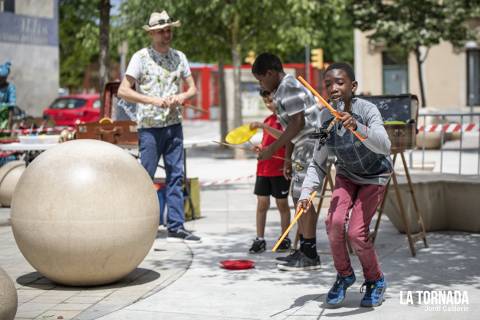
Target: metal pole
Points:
(410, 158)
(478, 156)
(442, 140)
(424, 140)
(461, 146)
(307, 63)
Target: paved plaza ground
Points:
(179, 281)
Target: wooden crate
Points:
(122, 132)
(402, 136)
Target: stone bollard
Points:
(8, 297)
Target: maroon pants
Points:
(362, 201)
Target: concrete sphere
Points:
(10, 173)
(85, 213)
(8, 297)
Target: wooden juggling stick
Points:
(327, 105)
(295, 219)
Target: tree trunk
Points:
(236, 59)
(420, 77)
(223, 101)
(104, 7)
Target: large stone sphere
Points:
(8, 297)
(10, 173)
(85, 213)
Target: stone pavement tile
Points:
(32, 310)
(57, 314)
(150, 315)
(51, 298)
(85, 299)
(94, 293)
(72, 306)
(27, 295)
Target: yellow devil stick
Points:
(297, 216)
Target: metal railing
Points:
(464, 124)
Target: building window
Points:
(7, 5)
(473, 77)
(395, 72)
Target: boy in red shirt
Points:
(270, 180)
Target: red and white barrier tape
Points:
(226, 181)
(38, 130)
(449, 127)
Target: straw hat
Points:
(159, 21)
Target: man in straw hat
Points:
(152, 80)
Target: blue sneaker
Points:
(374, 292)
(337, 293)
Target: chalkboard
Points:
(401, 107)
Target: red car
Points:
(69, 110)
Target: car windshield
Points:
(68, 103)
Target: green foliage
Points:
(209, 31)
(412, 23)
(335, 35)
(78, 33)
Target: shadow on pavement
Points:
(137, 277)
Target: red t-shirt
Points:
(272, 167)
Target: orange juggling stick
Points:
(295, 219)
(326, 104)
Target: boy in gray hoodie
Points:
(363, 170)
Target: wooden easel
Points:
(412, 238)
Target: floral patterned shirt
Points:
(158, 75)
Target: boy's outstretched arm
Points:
(295, 125)
(270, 130)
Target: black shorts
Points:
(272, 186)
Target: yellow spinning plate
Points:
(240, 135)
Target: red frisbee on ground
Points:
(237, 264)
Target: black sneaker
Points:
(182, 235)
(294, 254)
(303, 263)
(258, 246)
(284, 245)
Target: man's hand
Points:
(159, 102)
(174, 101)
(287, 170)
(255, 125)
(265, 154)
(303, 204)
(348, 121)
